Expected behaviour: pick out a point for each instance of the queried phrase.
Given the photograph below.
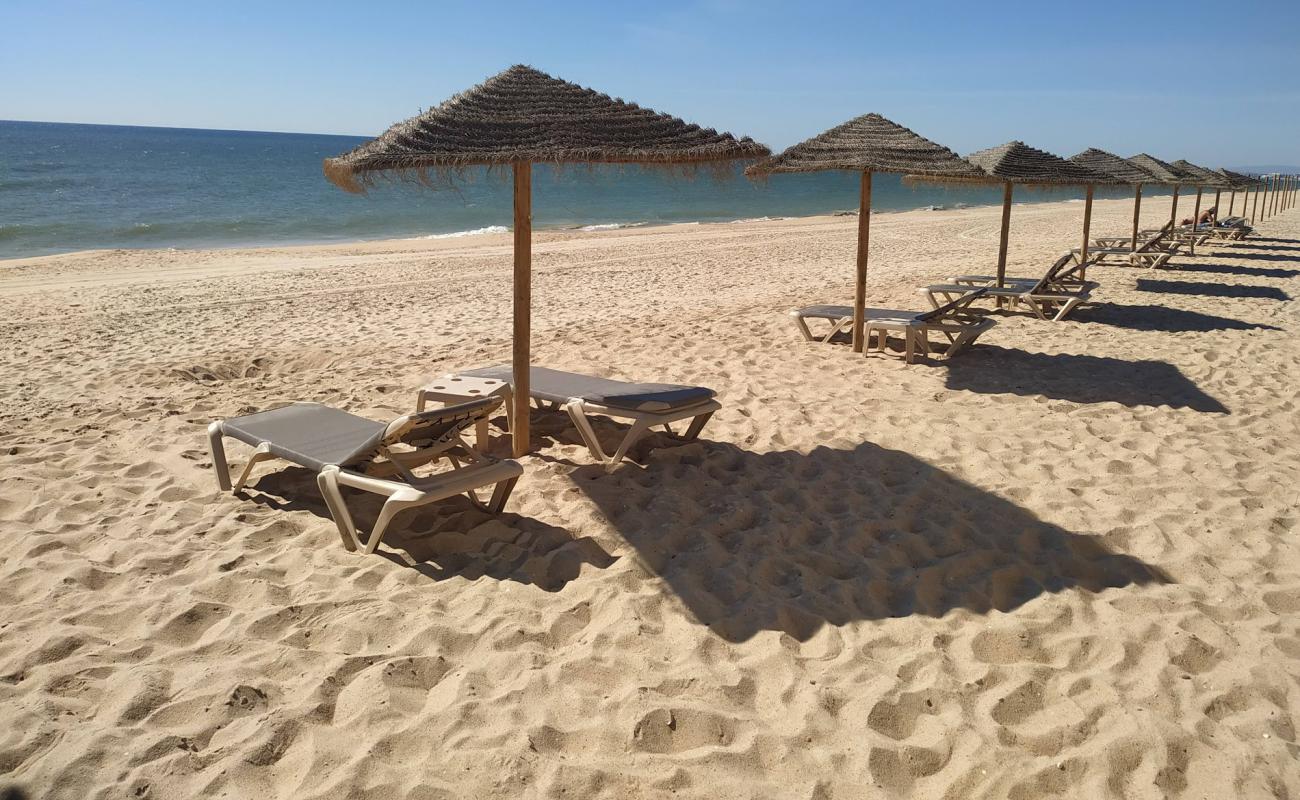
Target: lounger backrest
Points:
(429, 428)
(947, 309)
(1049, 277)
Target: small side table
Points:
(451, 389)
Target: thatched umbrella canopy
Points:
(1018, 163)
(1168, 174)
(1238, 181)
(1120, 169)
(520, 117)
(1201, 178)
(866, 144)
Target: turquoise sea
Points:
(67, 187)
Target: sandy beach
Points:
(1062, 564)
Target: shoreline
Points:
(486, 235)
(589, 227)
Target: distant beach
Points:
(65, 188)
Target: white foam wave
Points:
(474, 232)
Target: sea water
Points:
(66, 187)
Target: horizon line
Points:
(185, 128)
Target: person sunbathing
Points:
(1207, 217)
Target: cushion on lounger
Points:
(558, 387)
(308, 434)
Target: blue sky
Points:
(1215, 82)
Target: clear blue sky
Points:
(1217, 82)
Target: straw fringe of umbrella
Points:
(523, 115)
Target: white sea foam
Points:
(474, 232)
(610, 226)
(756, 219)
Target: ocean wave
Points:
(474, 232)
(756, 219)
(609, 226)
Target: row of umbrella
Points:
(523, 116)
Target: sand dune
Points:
(1063, 564)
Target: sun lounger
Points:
(1155, 248)
(1063, 275)
(952, 320)
(347, 450)
(1041, 296)
(646, 404)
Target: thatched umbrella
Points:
(1200, 177)
(1018, 163)
(1121, 169)
(1238, 181)
(518, 118)
(866, 144)
(1168, 174)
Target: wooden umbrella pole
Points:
(1254, 212)
(523, 299)
(1087, 223)
(1263, 212)
(1002, 240)
(1217, 193)
(1196, 221)
(860, 278)
(1232, 201)
(1137, 215)
(1173, 210)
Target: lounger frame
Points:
(391, 476)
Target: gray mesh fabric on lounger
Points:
(346, 450)
(646, 404)
(952, 320)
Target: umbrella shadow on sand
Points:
(790, 541)
(448, 539)
(1226, 290)
(1162, 318)
(989, 369)
(1232, 269)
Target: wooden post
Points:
(1087, 223)
(1137, 215)
(1255, 208)
(1002, 240)
(1173, 210)
(1196, 216)
(523, 297)
(860, 278)
(1217, 192)
(1263, 213)
(1232, 200)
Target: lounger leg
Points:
(639, 429)
(328, 481)
(397, 503)
(803, 329)
(697, 425)
(1066, 308)
(218, 452)
(262, 453)
(500, 495)
(909, 347)
(580, 421)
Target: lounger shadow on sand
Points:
(790, 542)
(1232, 269)
(1212, 289)
(1163, 318)
(1079, 379)
(450, 539)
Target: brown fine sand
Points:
(1063, 564)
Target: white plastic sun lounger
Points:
(347, 450)
(1041, 296)
(1063, 275)
(646, 404)
(952, 320)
